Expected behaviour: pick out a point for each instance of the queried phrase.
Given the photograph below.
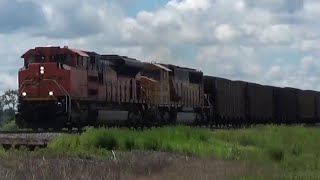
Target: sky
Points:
(270, 42)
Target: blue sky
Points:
(149, 5)
(272, 42)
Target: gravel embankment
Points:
(34, 136)
(128, 165)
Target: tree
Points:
(9, 98)
(8, 102)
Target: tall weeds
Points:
(294, 149)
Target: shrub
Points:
(9, 126)
(129, 143)
(276, 154)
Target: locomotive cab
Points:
(45, 85)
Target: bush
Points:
(129, 143)
(179, 140)
(9, 126)
(276, 154)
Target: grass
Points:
(293, 150)
(178, 140)
(9, 126)
(129, 165)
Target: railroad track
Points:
(30, 139)
(41, 131)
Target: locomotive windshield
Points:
(34, 59)
(59, 59)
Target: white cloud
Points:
(307, 63)
(236, 62)
(274, 73)
(225, 32)
(309, 45)
(8, 82)
(240, 39)
(187, 5)
(240, 5)
(277, 34)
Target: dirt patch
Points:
(133, 165)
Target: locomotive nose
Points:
(43, 81)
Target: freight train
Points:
(61, 87)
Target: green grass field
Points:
(291, 152)
(294, 151)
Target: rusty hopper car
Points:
(286, 105)
(317, 97)
(259, 103)
(307, 107)
(228, 99)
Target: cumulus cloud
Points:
(190, 5)
(225, 32)
(277, 34)
(229, 61)
(237, 39)
(17, 15)
(289, 6)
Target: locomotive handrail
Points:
(24, 83)
(68, 107)
(206, 96)
(59, 86)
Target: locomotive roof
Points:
(37, 50)
(158, 66)
(121, 60)
(79, 52)
(115, 57)
(180, 67)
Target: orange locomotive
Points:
(64, 87)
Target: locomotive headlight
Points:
(41, 70)
(51, 93)
(24, 94)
